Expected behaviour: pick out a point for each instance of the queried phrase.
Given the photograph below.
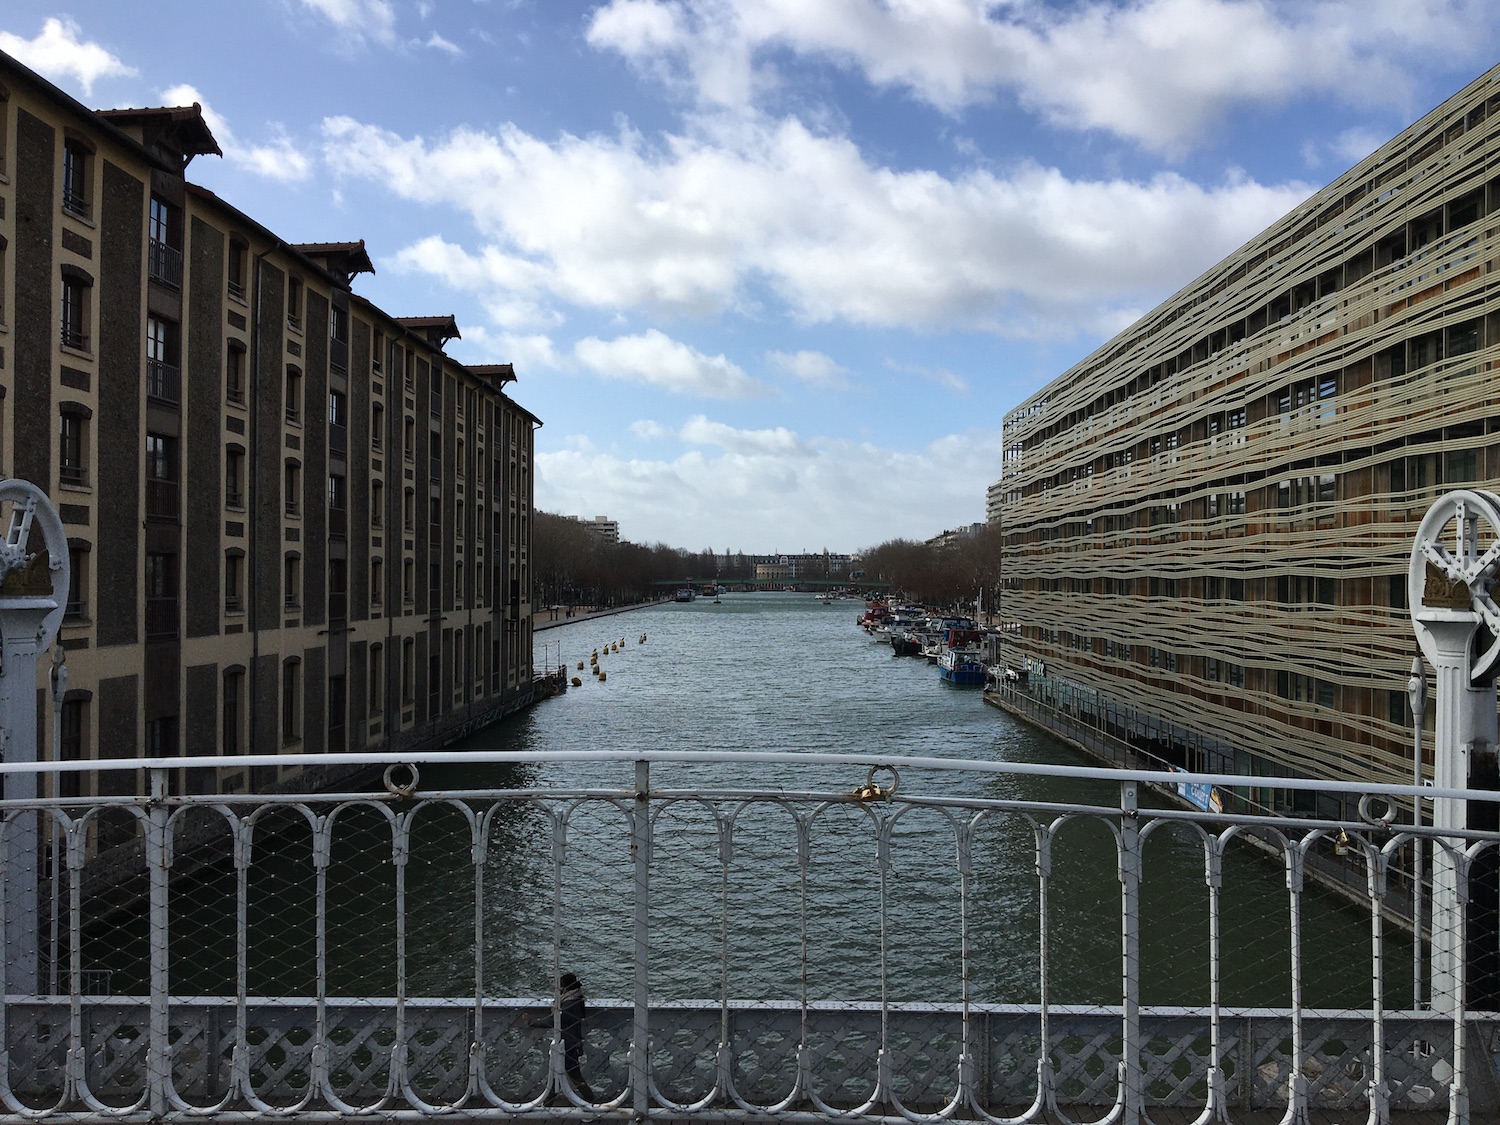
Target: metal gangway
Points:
(760, 936)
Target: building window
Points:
(377, 582)
(234, 372)
(294, 303)
(161, 737)
(338, 589)
(293, 394)
(163, 374)
(161, 477)
(408, 581)
(238, 253)
(73, 446)
(3, 244)
(408, 672)
(377, 503)
(76, 286)
(234, 476)
(376, 354)
(409, 439)
(377, 679)
(164, 256)
(336, 491)
(233, 708)
(291, 574)
(337, 707)
(377, 427)
(338, 420)
(409, 510)
(291, 700)
(234, 581)
(77, 161)
(70, 745)
(338, 324)
(293, 477)
(161, 595)
(77, 606)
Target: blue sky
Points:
(772, 271)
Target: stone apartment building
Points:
(294, 522)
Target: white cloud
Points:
(655, 359)
(59, 54)
(437, 42)
(647, 430)
(1353, 145)
(359, 20)
(728, 218)
(1159, 72)
(529, 353)
(810, 367)
(780, 441)
(759, 490)
(279, 159)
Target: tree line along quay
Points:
(573, 565)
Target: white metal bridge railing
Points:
(753, 936)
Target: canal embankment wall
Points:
(1345, 877)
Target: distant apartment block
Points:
(952, 537)
(993, 496)
(606, 529)
(1208, 520)
(295, 523)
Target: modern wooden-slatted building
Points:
(295, 523)
(1208, 520)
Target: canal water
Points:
(784, 673)
(792, 674)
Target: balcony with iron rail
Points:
(163, 382)
(759, 935)
(164, 263)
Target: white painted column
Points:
(33, 593)
(1454, 560)
(1450, 633)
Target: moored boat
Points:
(964, 667)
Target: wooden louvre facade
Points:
(295, 523)
(1208, 520)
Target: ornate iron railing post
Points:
(1448, 589)
(1132, 1085)
(33, 595)
(158, 868)
(640, 851)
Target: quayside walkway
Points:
(759, 936)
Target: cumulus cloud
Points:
(277, 159)
(767, 490)
(59, 53)
(724, 219)
(655, 359)
(359, 20)
(1159, 72)
(810, 367)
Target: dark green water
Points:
(787, 673)
(770, 672)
